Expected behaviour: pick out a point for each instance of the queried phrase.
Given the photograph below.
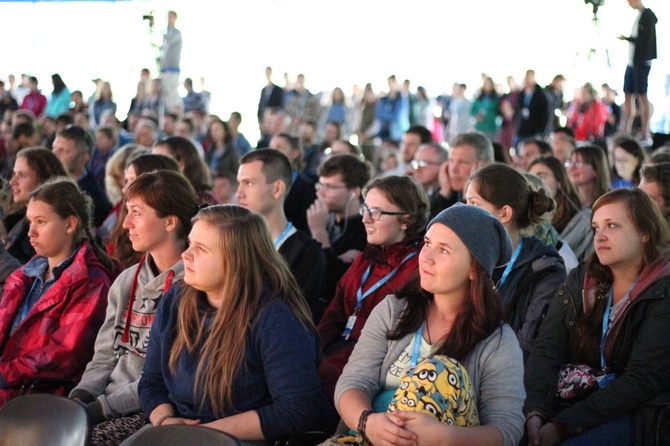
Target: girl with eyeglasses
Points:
(395, 213)
(589, 172)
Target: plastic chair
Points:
(44, 420)
(181, 434)
(310, 438)
(58, 386)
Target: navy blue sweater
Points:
(278, 378)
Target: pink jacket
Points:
(35, 102)
(55, 340)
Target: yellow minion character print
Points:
(439, 386)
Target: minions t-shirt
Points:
(401, 365)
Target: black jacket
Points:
(645, 42)
(637, 351)
(307, 262)
(529, 288)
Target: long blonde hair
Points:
(251, 266)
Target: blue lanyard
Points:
(606, 323)
(510, 265)
(283, 236)
(417, 346)
(360, 296)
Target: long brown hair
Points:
(252, 268)
(567, 198)
(596, 157)
(649, 220)
(481, 315)
(67, 200)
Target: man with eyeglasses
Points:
(469, 152)
(334, 218)
(425, 167)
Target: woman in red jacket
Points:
(53, 306)
(395, 213)
(588, 115)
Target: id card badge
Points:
(525, 113)
(604, 380)
(349, 327)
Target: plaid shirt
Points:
(55, 339)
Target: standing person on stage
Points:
(170, 55)
(642, 50)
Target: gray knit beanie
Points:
(486, 238)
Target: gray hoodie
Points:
(113, 373)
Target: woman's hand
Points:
(427, 429)
(385, 429)
(177, 420)
(549, 435)
(533, 425)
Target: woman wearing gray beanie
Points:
(529, 281)
(449, 309)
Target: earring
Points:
(69, 231)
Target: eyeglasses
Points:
(319, 186)
(577, 164)
(419, 164)
(376, 214)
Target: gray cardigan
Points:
(495, 367)
(112, 375)
(579, 235)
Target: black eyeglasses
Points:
(376, 214)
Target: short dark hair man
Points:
(74, 146)
(264, 179)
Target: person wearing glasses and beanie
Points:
(395, 213)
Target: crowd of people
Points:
(495, 274)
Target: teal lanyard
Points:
(360, 296)
(283, 236)
(510, 265)
(606, 322)
(417, 346)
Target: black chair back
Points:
(44, 420)
(181, 434)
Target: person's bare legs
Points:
(644, 114)
(628, 113)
